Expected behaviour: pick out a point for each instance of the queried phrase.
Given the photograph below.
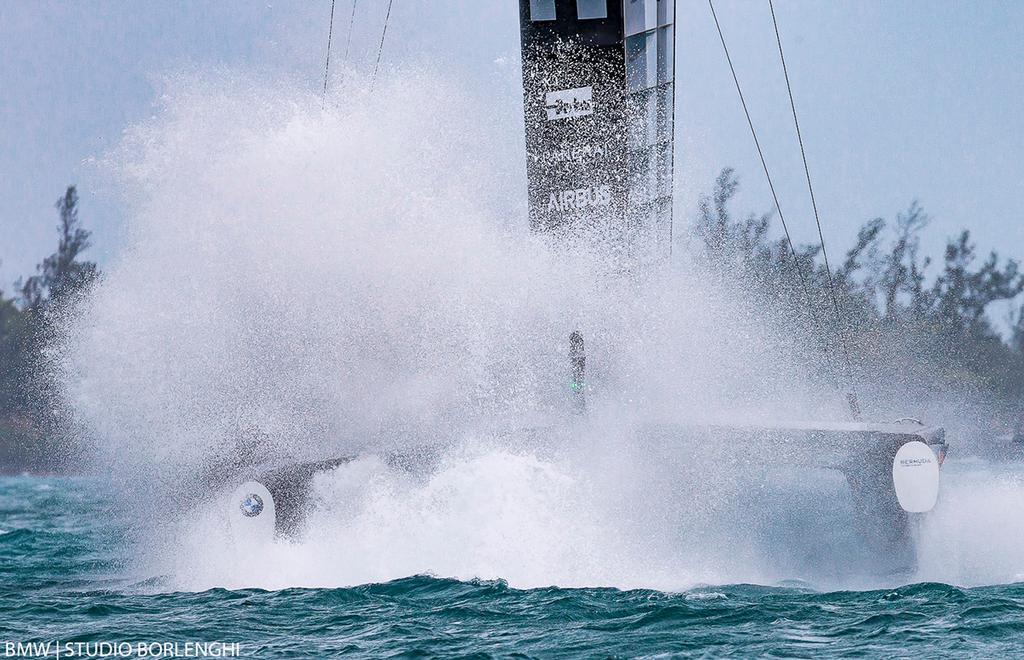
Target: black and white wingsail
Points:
(599, 90)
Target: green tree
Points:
(743, 250)
(62, 274)
(12, 336)
(29, 430)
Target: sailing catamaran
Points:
(599, 102)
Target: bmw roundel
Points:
(252, 505)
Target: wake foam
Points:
(975, 535)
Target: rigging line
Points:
(760, 153)
(380, 49)
(764, 165)
(327, 66)
(351, 24)
(817, 220)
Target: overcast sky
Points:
(899, 100)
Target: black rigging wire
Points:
(351, 24)
(380, 49)
(852, 394)
(760, 153)
(327, 64)
(778, 207)
(348, 42)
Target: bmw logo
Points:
(252, 505)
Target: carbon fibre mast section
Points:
(598, 92)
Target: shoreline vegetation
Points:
(31, 425)
(898, 308)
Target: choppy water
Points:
(67, 576)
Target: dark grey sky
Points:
(899, 99)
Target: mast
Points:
(598, 89)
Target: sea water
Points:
(69, 577)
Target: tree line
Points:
(28, 419)
(915, 328)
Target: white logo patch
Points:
(580, 199)
(569, 103)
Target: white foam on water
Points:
(363, 278)
(975, 535)
(484, 513)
